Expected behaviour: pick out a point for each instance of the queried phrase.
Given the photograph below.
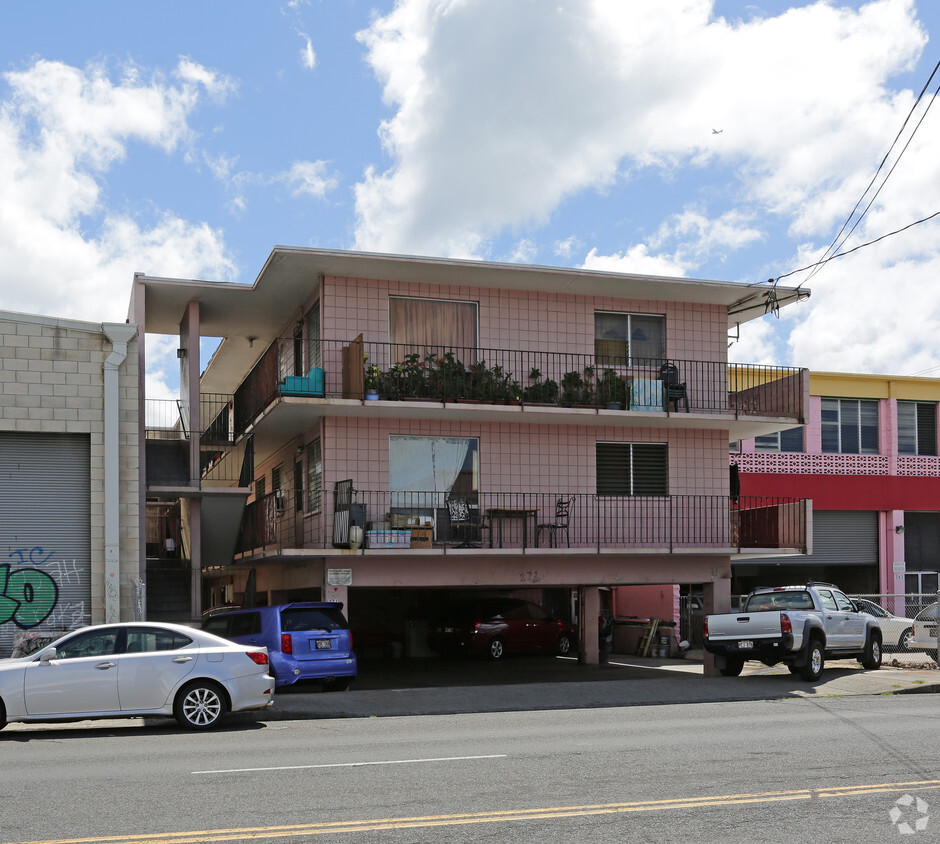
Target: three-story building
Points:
(389, 431)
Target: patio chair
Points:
(558, 524)
(673, 390)
(462, 524)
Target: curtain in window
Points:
(629, 339)
(432, 326)
(424, 469)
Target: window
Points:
(917, 427)
(426, 325)
(849, 426)
(314, 355)
(92, 643)
(423, 470)
(629, 339)
(314, 476)
(632, 469)
(277, 487)
(147, 640)
(789, 440)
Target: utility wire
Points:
(836, 244)
(823, 261)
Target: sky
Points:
(708, 139)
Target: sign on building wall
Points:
(45, 538)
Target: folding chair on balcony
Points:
(462, 524)
(558, 524)
(673, 390)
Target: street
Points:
(732, 772)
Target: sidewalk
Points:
(437, 687)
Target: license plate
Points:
(324, 644)
(745, 645)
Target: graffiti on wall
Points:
(30, 595)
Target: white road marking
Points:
(353, 764)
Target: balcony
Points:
(430, 381)
(509, 522)
(223, 460)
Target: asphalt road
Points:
(789, 770)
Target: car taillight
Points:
(785, 625)
(258, 657)
(705, 627)
(350, 640)
(287, 643)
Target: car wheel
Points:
(904, 642)
(496, 649)
(199, 705)
(336, 684)
(3, 715)
(815, 659)
(871, 659)
(732, 667)
(564, 644)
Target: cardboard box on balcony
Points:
(421, 537)
(388, 538)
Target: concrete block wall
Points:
(52, 381)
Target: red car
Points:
(496, 626)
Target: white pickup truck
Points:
(800, 626)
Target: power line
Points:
(824, 261)
(836, 244)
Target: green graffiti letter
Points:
(35, 593)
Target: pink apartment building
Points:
(392, 431)
(868, 459)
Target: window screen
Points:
(632, 469)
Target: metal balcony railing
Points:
(168, 427)
(283, 519)
(460, 374)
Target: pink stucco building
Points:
(553, 433)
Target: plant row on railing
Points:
(445, 377)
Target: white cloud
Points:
(62, 251)
(699, 238)
(637, 260)
(310, 178)
(502, 112)
(307, 55)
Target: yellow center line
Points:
(213, 836)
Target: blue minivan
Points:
(306, 640)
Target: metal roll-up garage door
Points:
(45, 536)
(840, 538)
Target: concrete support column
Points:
(716, 598)
(589, 603)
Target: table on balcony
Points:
(498, 515)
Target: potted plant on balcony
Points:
(372, 378)
(540, 392)
(611, 390)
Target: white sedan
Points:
(132, 670)
(896, 631)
